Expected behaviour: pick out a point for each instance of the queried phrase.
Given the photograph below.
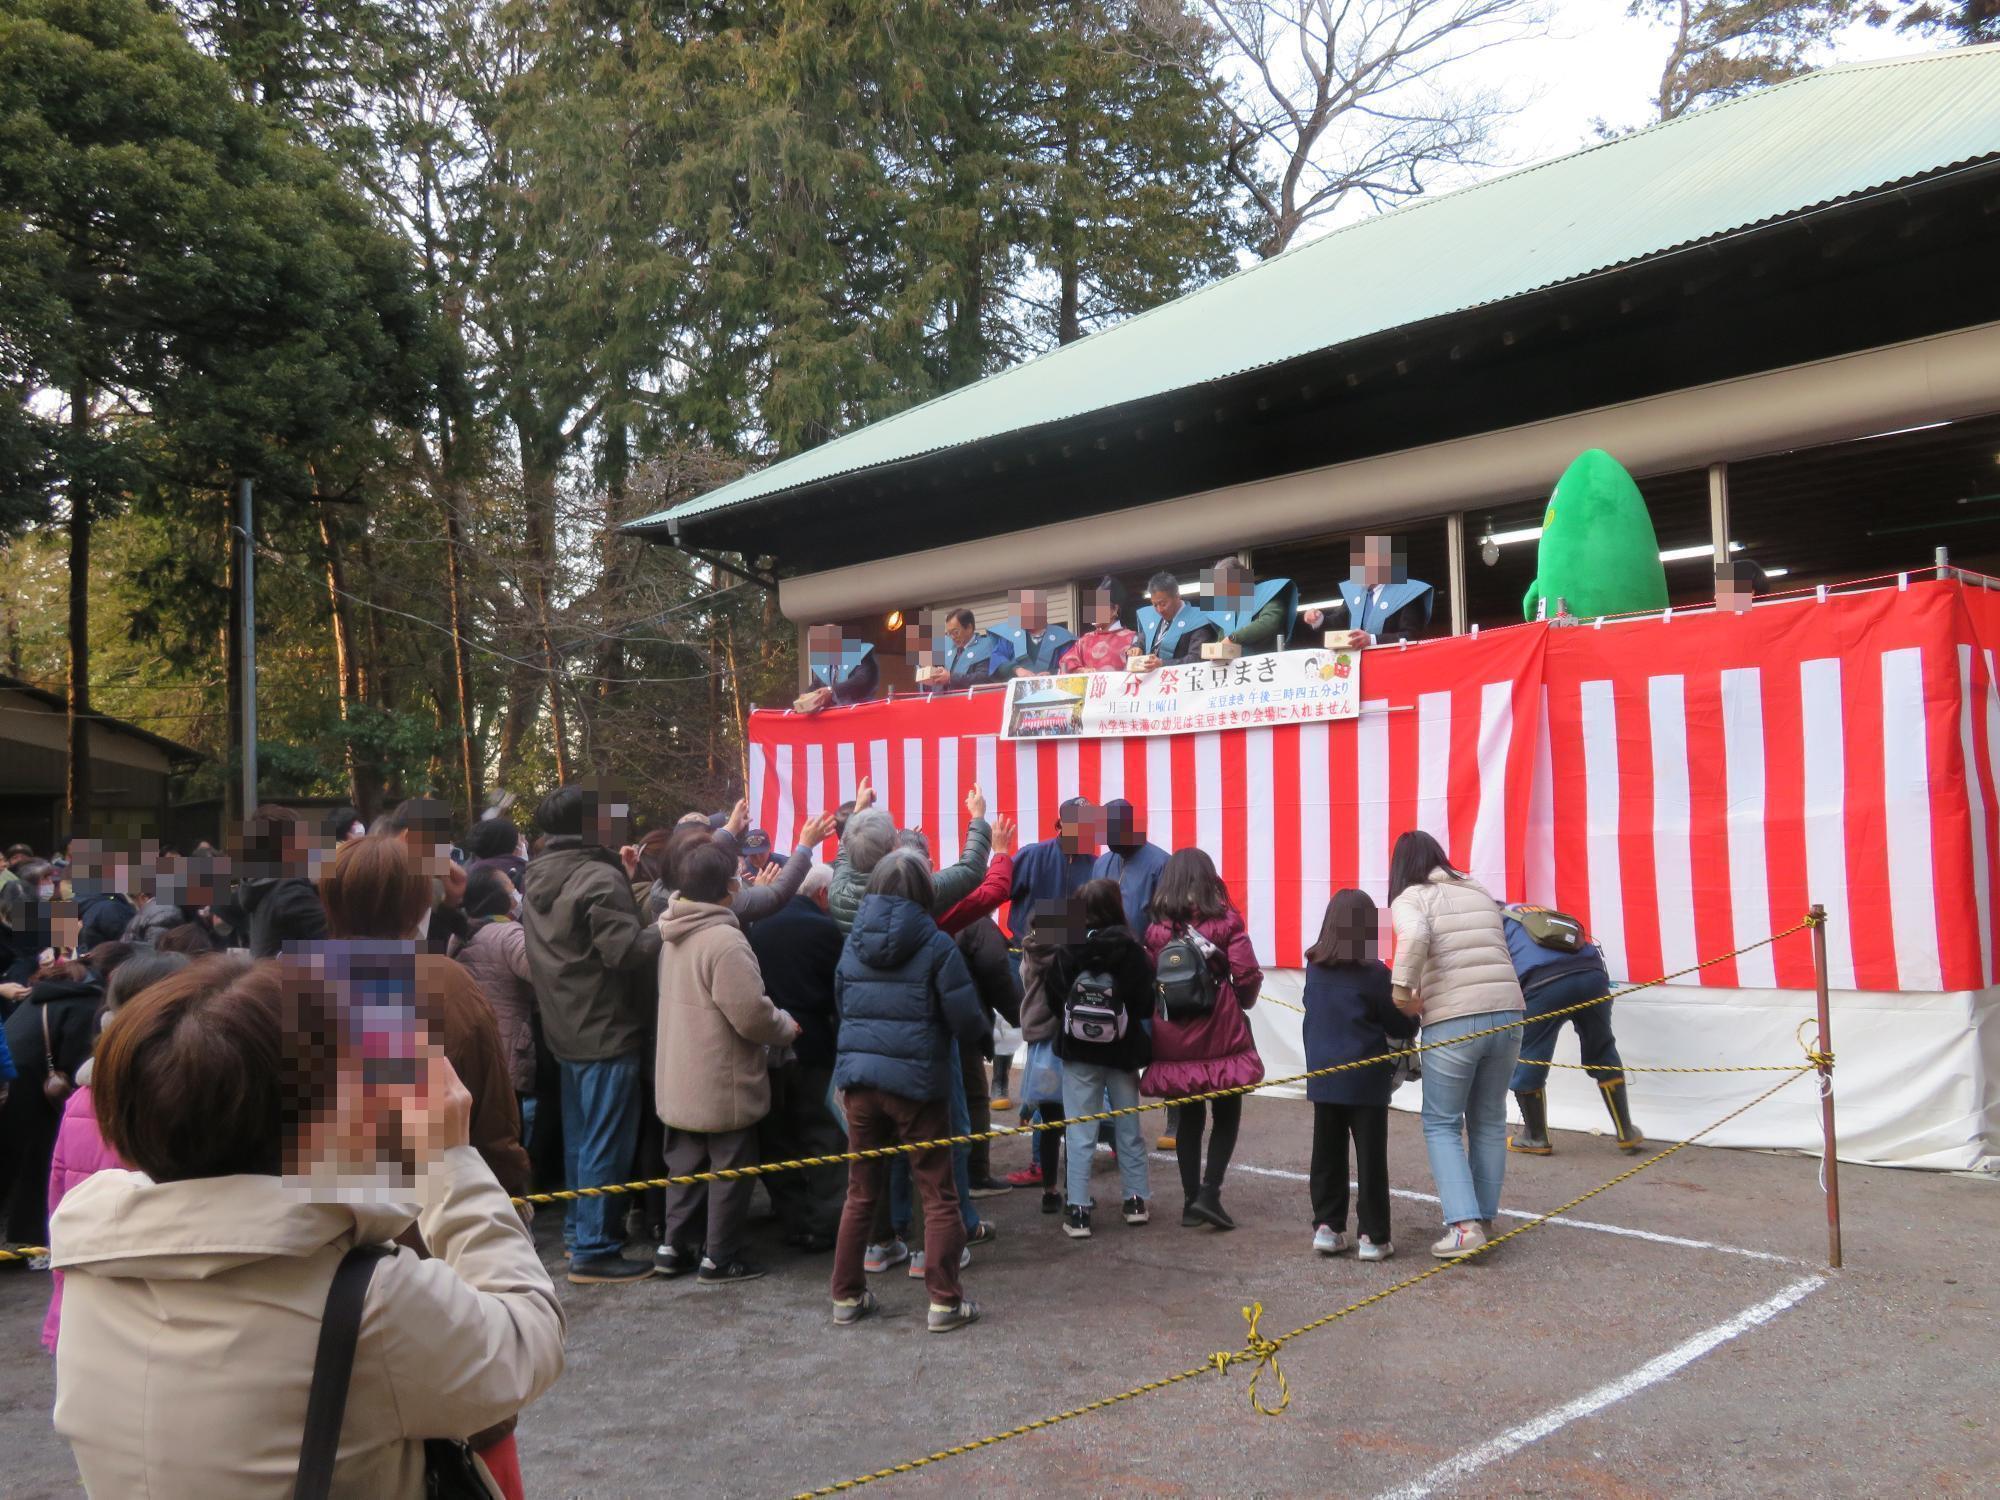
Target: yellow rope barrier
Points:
(1005, 1132)
(1262, 1351)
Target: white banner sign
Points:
(1290, 687)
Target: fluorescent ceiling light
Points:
(1899, 431)
(1505, 538)
(1324, 604)
(1777, 572)
(1706, 549)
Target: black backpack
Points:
(1182, 978)
(1091, 1012)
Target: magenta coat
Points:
(80, 1153)
(1217, 1050)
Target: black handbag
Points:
(450, 1470)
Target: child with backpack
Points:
(1106, 983)
(1207, 976)
(1350, 1017)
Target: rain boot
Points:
(1532, 1138)
(1629, 1139)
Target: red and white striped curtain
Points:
(1684, 786)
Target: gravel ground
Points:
(1575, 1361)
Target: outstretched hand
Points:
(975, 802)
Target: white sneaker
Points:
(1328, 1240)
(1369, 1250)
(1460, 1240)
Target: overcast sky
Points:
(1597, 63)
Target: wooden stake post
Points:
(1830, 1161)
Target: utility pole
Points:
(246, 540)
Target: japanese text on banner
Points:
(1291, 687)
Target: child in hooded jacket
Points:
(1102, 982)
(1350, 1018)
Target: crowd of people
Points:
(595, 1008)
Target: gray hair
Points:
(1163, 582)
(904, 874)
(871, 833)
(818, 878)
(913, 840)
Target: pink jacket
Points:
(80, 1153)
(1215, 1051)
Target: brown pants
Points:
(728, 1203)
(876, 1119)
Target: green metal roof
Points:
(1769, 155)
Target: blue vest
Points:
(852, 655)
(1186, 618)
(1232, 621)
(983, 649)
(1395, 596)
(1048, 649)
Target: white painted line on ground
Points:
(1568, 1223)
(1651, 1373)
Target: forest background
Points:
(462, 286)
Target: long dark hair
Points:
(1416, 855)
(1189, 891)
(1347, 931)
(1103, 904)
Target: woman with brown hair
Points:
(1208, 1045)
(211, 1083)
(376, 889)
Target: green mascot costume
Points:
(1597, 552)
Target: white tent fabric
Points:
(1911, 1070)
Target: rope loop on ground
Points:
(1261, 1352)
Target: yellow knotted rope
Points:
(1264, 1351)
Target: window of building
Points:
(1874, 506)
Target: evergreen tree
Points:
(195, 291)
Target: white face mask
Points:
(45, 892)
(514, 904)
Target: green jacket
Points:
(843, 897)
(590, 952)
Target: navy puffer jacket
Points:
(904, 993)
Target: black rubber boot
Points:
(1207, 1207)
(1532, 1138)
(1629, 1139)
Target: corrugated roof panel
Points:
(1768, 155)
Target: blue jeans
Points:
(1086, 1086)
(1593, 1030)
(600, 1138)
(527, 1103)
(961, 1157)
(1465, 1113)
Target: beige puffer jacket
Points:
(1451, 949)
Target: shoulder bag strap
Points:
(326, 1406)
(48, 1047)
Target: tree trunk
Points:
(736, 699)
(1068, 330)
(347, 667)
(77, 721)
(461, 667)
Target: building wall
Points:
(1945, 378)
